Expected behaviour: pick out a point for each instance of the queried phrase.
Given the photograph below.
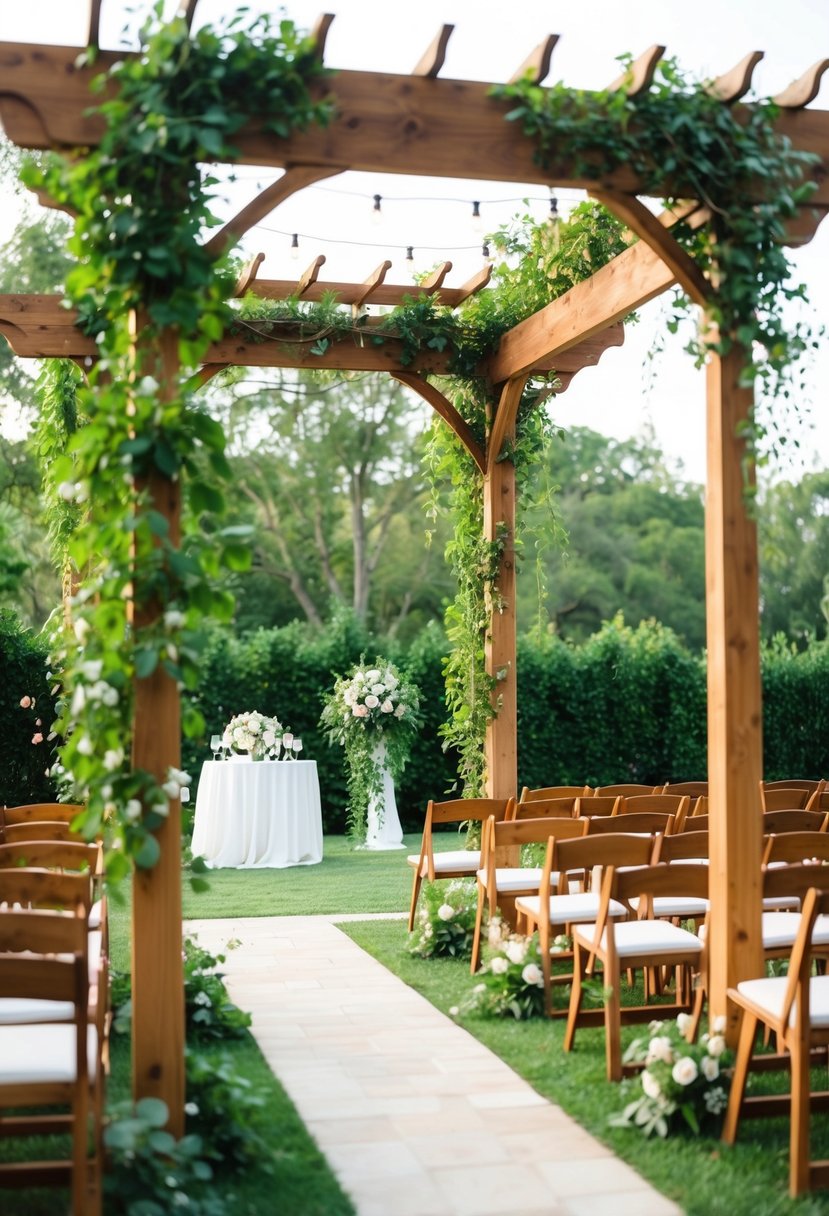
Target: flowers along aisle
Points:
(373, 713)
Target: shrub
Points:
(446, 920)
(24, 763)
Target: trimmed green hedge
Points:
(23, 764)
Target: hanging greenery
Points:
(142, 202)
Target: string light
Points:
(487, 253)
(553, 206)
(476, 216)
(377, 213)
(295, 246)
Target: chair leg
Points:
(613, 1029)
(476, 939)
(576, 997)
(546, 963)
(799, 1154)
(415, 893)
(742, 1064)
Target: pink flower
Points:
(37, 737)
(359, 711)
(25, 702)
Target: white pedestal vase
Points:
(383, 830)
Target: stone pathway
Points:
(415, 1116)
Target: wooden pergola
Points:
(422, 124)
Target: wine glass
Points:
(216, 745)
(287, 743)
(296, 747)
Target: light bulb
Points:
(295, 247)
(377, 212)
(476, 217)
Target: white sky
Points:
(491, 40)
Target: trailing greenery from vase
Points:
(142, 202)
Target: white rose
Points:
(399, 712)
(171, 789)
(716, 1045)
(386, 707)
(719, 1024)
(446, 912)
(81, 628)
(113, 758)
(532, 974)
(683, 1023)
(108, 694)
(132, 811)
(710, 1068)
(378, 689)
(173, 619)
(453, 1011)
(660, 1048)
(147, 386)
(85, 746)
(650, 1085)
(92, 669)
(372, 676)
(371, 701)
(180, 777)
(499, 965)
(66, 490)
(685, 1071)
(516, 952)
(268, 738)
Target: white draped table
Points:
(257, 814)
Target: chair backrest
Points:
(43, 932)
(793, 821)
(700, 806)
(53, 855)
(694, 789)
(628, 790)
(677, 805)
(597, 804)
(43, 829)
(682, 847)
(650, 822)
(794, 783)
(63, 812)
(795, 1008)
(796, 847)
(532, 831)
(538, 808)
(679, 879)
(819, 800)
(459, 810)
(45, 889)
(553, 791)
(784, 799)
(615, 849)
(695, 823)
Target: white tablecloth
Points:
(253, 814)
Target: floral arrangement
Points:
(511, 980)
(446, 920)
(682, 1083)
(372, 713)
(253, 733)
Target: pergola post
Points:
(735, 746)
(157, 968)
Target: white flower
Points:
(716, 1045)
(716, 1100)
(371, 701)
(453, 1011)
(173, 619)
(66, 490)
(109, 695)
(386, 707)
(132, 811)
(685, 1071)
(650, 1085)
(371, 676)
(719, 1024)
(479, 988)
(400, 711)
(182, 779)
(85, 745)
(378, 689)
(81, 628)
(683, 1023)
(710, 1068)
(201, 998)
(147, 387)
(446, 912)
(171, 789)
(427, 930)
(660, 1048)
(113, 758)
(516, 952)
(532, 974)
(655, 1027)
(78, 701)
(499, 965)
(92, 669)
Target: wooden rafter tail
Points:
(309, 276)
(434, 57)
(94, 23)
(472, 286)
(734, 84)
(802, 227)
(370, 285)
(434, 281)
(504, 420)
(248, 275)
(647, 226)
(295, 178)
(187, 10)
(319, 34)
(639, 75)
(443, 406)
(537, 64)
(803, 90)
(685, 212)
(205, 374)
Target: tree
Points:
(794, 557)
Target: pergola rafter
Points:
(422, 124)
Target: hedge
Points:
(23, 763)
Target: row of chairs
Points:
(796, 794)
(54, 1006)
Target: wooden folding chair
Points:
(597, 804)
(677, 805)
(39, 829)
(64, 812)
(629, 790)
(545, 808)
(809, 784)
(554, 791)
(778, 822)
(499, 886)
(785, 798)
(648, 823)
(796, 847)
(49, 1053)
(647, 942)
(694, 789)
(795, 1008)
(696, 823)
(459, 863)
(819, 800)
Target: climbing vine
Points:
(142, 201)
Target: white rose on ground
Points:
(532, 974)
(710, 1068)
(453, 1011)
(516, 952)
(650, 1085)
(499, 965)
(683, 1022)
(386, 707)
(660, 1048)
(371, 701)
(685, 1071)
(446, 912)
(719, 1024)
(716, 1045)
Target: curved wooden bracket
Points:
(803, 90)
(733, 85)
(320, 32)
(93, 25)
(373, 281)
(295, 177)
(435, 280)
(472, 286)
(504, 423)
(310, 275)
(648, 226)
(434, 57)
(248, 274)
(443, 406)
(205, 374)
(537, 63)
(639, 75)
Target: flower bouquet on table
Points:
(253, 734)
(682, 1083)
(372, 713)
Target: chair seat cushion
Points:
(768, 994)
(27, 1009)
(787, 902)
(781, 928)
(669, 905)
(96, 914)
(42, 1054)
(515, 878)
(466, 860)
(638, 937)
(569, 909)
